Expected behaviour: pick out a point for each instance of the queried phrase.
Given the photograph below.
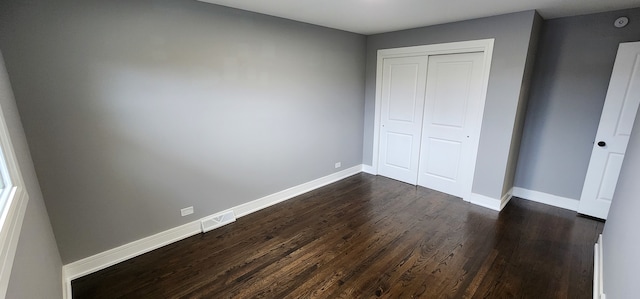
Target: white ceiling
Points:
(376, 16)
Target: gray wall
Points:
(518, 128)
(512, 34)
(621, 241)
(37, 269)
(573, 67)
(136, 109)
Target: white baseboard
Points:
(546, 198)
(489, 202)
(122, 253)
(269, 200)
(484, 201)
(598, 283)
(116, 255)
(506, 198)
(369, 169)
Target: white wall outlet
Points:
(338, 164)
(186, 211)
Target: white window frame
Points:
(13, 205)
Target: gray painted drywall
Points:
(518, 128)
(37, 269)
(136, 109)
(621, 241)
(512, 36)
(573, 67)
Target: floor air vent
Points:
(217, 220)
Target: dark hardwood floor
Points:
(367, 237)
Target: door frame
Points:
(482, 45)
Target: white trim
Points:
(13, 209)
(116, 255)
(66, 286)
(546, 198)
(12, 220)
(483, 45)
(269, 200)
(598, 270)
(122, 253)
(369, 169)
(489, 202)
(484, 201)
(506, 198)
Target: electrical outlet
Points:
(338, 164)
(186, 211)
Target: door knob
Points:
(601, 143)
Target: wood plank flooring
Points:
(369, 237)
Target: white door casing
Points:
(454, 87)
(403, 89)
(483, 46)
(618, 115)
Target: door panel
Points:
(452, 109)
(450, 93)
(616, 121)
(403, 87)
(439, 149)
(610, 177)
(399, 154)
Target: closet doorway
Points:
(429, 106)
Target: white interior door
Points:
(616, 121)
(403, 87)
(451, 122)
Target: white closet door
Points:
(451, 119)
(403, 89)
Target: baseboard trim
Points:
(546, 198)
(122, 253)
(506, 198)
(485, 201)
(269, 200)
(598, 283)
(369, 169)
(489, 202)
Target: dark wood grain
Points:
(368, 237)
